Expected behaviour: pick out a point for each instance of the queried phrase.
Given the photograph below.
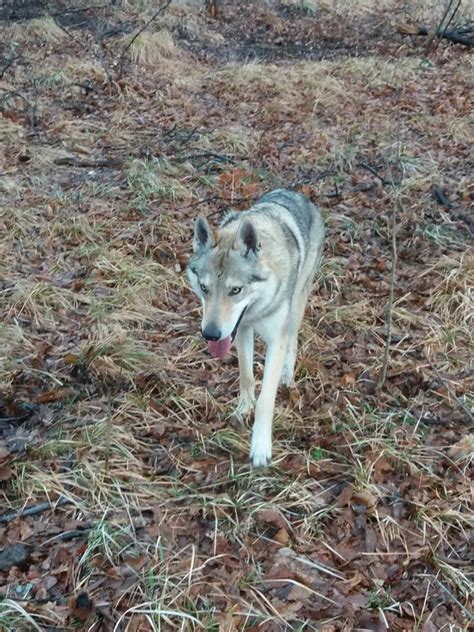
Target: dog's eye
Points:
(203, 288)
(235, 290)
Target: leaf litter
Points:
(127, 500)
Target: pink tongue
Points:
(218, 348)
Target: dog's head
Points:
(225, 271)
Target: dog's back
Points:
(302, 227)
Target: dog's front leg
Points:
(244, 343)
(261, 447)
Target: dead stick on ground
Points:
(374, 172)
(34, 510)
(393, 275)
(467, 612)
(90, 164)
(441, 197)
(121, 63)
(396, 207)
(457, 36)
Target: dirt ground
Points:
(127, 501)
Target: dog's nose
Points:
(211, 332)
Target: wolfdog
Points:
(254, 276)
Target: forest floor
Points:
(116, 434)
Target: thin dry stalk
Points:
(161, 9)
(393, 275)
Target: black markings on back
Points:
(291, 237)
(299, 207)
(229, 217)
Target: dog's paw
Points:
(261, 448)
(245, 406)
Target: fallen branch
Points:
(34, 510)
(456, 36)
(116, 163)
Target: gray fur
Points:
(254, 276)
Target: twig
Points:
(29, 108)
(359, 188)
(308, 179)
(103, 63)
(67, 536)
(440, 196)
(393, 274)
(445, 14)
(65, 30)
(440, 33)
(19, 418)
(467, 612)
(451, 392)
(210, 154)
(99, 6)
(35, 509)
(121, 63)
(8, 64)
(212, 198)
(374, 172)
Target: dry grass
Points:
(149, 48)
(45, 30)
(368, 499)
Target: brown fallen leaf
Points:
(25, 530)
(345, 496)
(364, 497)
(71, 358)
(270, 516)
(6, 473)
(462, 448)
(370, 539)
(282, 537)
(52, 396)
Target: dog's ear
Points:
(248, 238)
(203, 237)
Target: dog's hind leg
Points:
(244, 343)
(293, 329)
(261, 446)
